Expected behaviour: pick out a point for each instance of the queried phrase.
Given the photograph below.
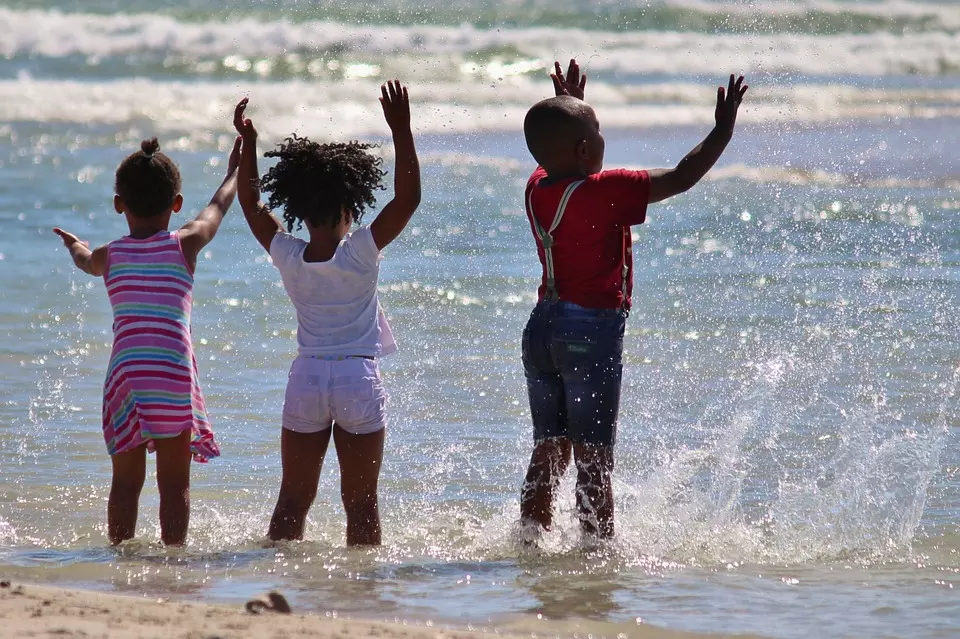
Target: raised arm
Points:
(406, 175)
(666, 183)
(91, 262)
(261, 222)
(197, 233)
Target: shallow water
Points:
(787, 460)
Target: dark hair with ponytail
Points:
(148, 181)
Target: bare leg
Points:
(361, 457)
(173, 482)
(595, 489)
(129, 472)
(548, 463)
(301, 455)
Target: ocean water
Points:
(787, 461)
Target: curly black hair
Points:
(148, 181)
(315, 182)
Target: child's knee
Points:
(299, 501)
(121, 493)
(173, 487)
(359, 503)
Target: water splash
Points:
(764, 491)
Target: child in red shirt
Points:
(581, 216)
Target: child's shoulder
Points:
(284, 239)
(286, 248)
(618, 174)
(620, 182)
(360, 244)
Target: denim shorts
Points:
(572, 359)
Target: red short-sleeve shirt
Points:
(592, 243)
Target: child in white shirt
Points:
(334, 385)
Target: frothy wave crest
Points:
(281, 48)
(200, 111)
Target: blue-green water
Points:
(787, 460)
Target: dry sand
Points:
(41, 611)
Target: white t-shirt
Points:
(338, 312)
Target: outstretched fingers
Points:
(572, 83)
(393, 95)
(69, 239)
(238, 122)
(733, 94)
(390, 92)
(557, 85)
(242, 124)
(736, 90)
(558, 80)
(573, 73)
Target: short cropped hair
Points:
(552, 125)
(147, 181)
(315, 182)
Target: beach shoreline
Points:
(29, 610)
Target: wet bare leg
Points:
(129, 472)
(173, 482)
(302, 458)
(361, 457)
(595, 489)
(548, 463)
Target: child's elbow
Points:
(683, 181)
(411, 200)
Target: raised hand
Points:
(572, 84)
(243, 126)
(69, 239)
(396, 105)
(728, 102)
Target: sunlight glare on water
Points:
(786, 455)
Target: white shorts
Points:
(348, 392)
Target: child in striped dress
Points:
(151, 398)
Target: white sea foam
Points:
(8, 535)
(201, 111)
(944, 15)
(255, 46)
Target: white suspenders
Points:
(545, 236)
(625, 278)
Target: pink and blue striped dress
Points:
(151, 390)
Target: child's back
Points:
(151, 389)
(591, 247)
(336, 300)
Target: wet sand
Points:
(27, 610)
